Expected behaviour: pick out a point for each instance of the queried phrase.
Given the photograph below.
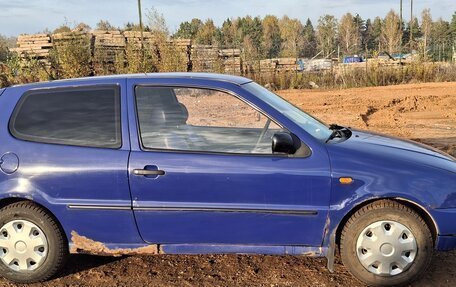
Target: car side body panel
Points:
(228, 199)
(88, 189)
(69, 179)
(383, 172)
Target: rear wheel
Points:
(32, 245)
(386, 244)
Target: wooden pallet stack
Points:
(34, 46)
(182, 51)
(76, 37)
(205, 58)
(231, 59)
(72, 54)
(268, 65)
(286, 64)
(133, 39)
(69, 40)
(108, 48)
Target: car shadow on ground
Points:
(81, 262)
(226, 270)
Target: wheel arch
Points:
(10, 200)
(419, 209)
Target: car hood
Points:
(385, 142)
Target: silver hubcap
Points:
(386, 248)
(23, 245)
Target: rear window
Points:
(87, 116)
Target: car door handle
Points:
(146, 172)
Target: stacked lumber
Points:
(231, 59)
(279, 65)
(286, 64)
(34, 46)
(75, 38)
(268, 65)
(205, 58)
(133, 39)
(183, 49)
(108, 47)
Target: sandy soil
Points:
(425, 112)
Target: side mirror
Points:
(283, 143)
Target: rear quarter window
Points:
(88, 116)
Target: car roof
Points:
(201, 76)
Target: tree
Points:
(5, 44)
(376, 43)
(364, 31)
(230, 34)
(156, 23)
(133, 27)
(310, 42)
(292, 34)
(349, 34)
(188, 30)
(271, 36)
(453, 28)
(412, 33)
(62, 29)
(392, 32)
(82, 27)
(252, 27)
(440, 37)
(327, 34)
(206, 33)
(426, 29)
(105, 26)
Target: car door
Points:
(202, 170)
(66, 146)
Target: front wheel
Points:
(386, 244)
(32, 245)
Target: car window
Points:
(75, 116)
(313, 126)
(194, 119)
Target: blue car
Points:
(188, 163)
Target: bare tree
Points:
(327, 34)
(391, 32)
(349, 34)
(426, 29)
(156, 23)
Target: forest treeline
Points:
(271, 36)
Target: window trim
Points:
(202, 152)
(118, 102)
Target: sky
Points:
(32, 16)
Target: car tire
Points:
(30, 232)
(386, 244)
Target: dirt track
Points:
(426, 112)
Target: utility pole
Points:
(141, 30)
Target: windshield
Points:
(314, 127)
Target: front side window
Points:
(193, 119)
(75, 116)
(313, 126)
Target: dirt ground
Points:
(424, 112)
